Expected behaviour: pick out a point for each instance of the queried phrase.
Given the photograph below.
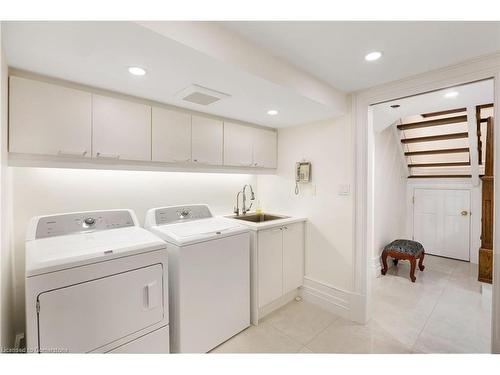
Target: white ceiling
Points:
(261, 65)
(334, 51)
(471, 94)
(99, 53)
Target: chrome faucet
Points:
(244, 209)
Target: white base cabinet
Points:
(270, 265)
(277, 265)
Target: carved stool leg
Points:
(384, 263)
(413, 264)
(395, 261)
(421, 266)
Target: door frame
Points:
(486, 67)
(430, 187)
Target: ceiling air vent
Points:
(200, 95)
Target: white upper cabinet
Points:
(49, 119)
(171, 136)
(238, 145)
(121, 129)
(206, 140)
(246, 146)
(264, 148)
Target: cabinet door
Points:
(238, 141)
(264, 148)
(206, 141)
(270, 265)
(121, 129)
(48, 119)
(171, 136)
(293, 256)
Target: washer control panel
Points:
(59, 225)
(176, 214)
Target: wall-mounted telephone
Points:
(302, 174)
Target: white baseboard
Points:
(275, 305)
(17, 342)
(376, 266)
(346, 304)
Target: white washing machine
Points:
(95, 282)
(209, 275)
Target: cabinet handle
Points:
(71, 153)
(199, 161)
(277, 229)
(286, 228)
(107, 156)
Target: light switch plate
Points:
(344, 189)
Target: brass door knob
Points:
(464, 213)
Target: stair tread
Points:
(437, 122)
(440, 176)
(439, 151)
(431, 138)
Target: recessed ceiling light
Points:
(272, 112)
(136, 71)
(372, 56)
(451, 94)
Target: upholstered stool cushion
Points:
(404, 246)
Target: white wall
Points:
(476, 209)
(390, 209)
(6, 297)
(329, 238)
(40, 191)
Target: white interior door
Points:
(441, 222)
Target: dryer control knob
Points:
(89, 221)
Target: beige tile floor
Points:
(442, 312)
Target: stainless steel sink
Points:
(258, 218)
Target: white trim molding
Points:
(376, 266)
(340, 302)
(485, 67)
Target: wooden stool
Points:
(404, 250)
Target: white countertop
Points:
(268, 224)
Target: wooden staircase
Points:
(438, 145)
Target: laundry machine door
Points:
(83, 317)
